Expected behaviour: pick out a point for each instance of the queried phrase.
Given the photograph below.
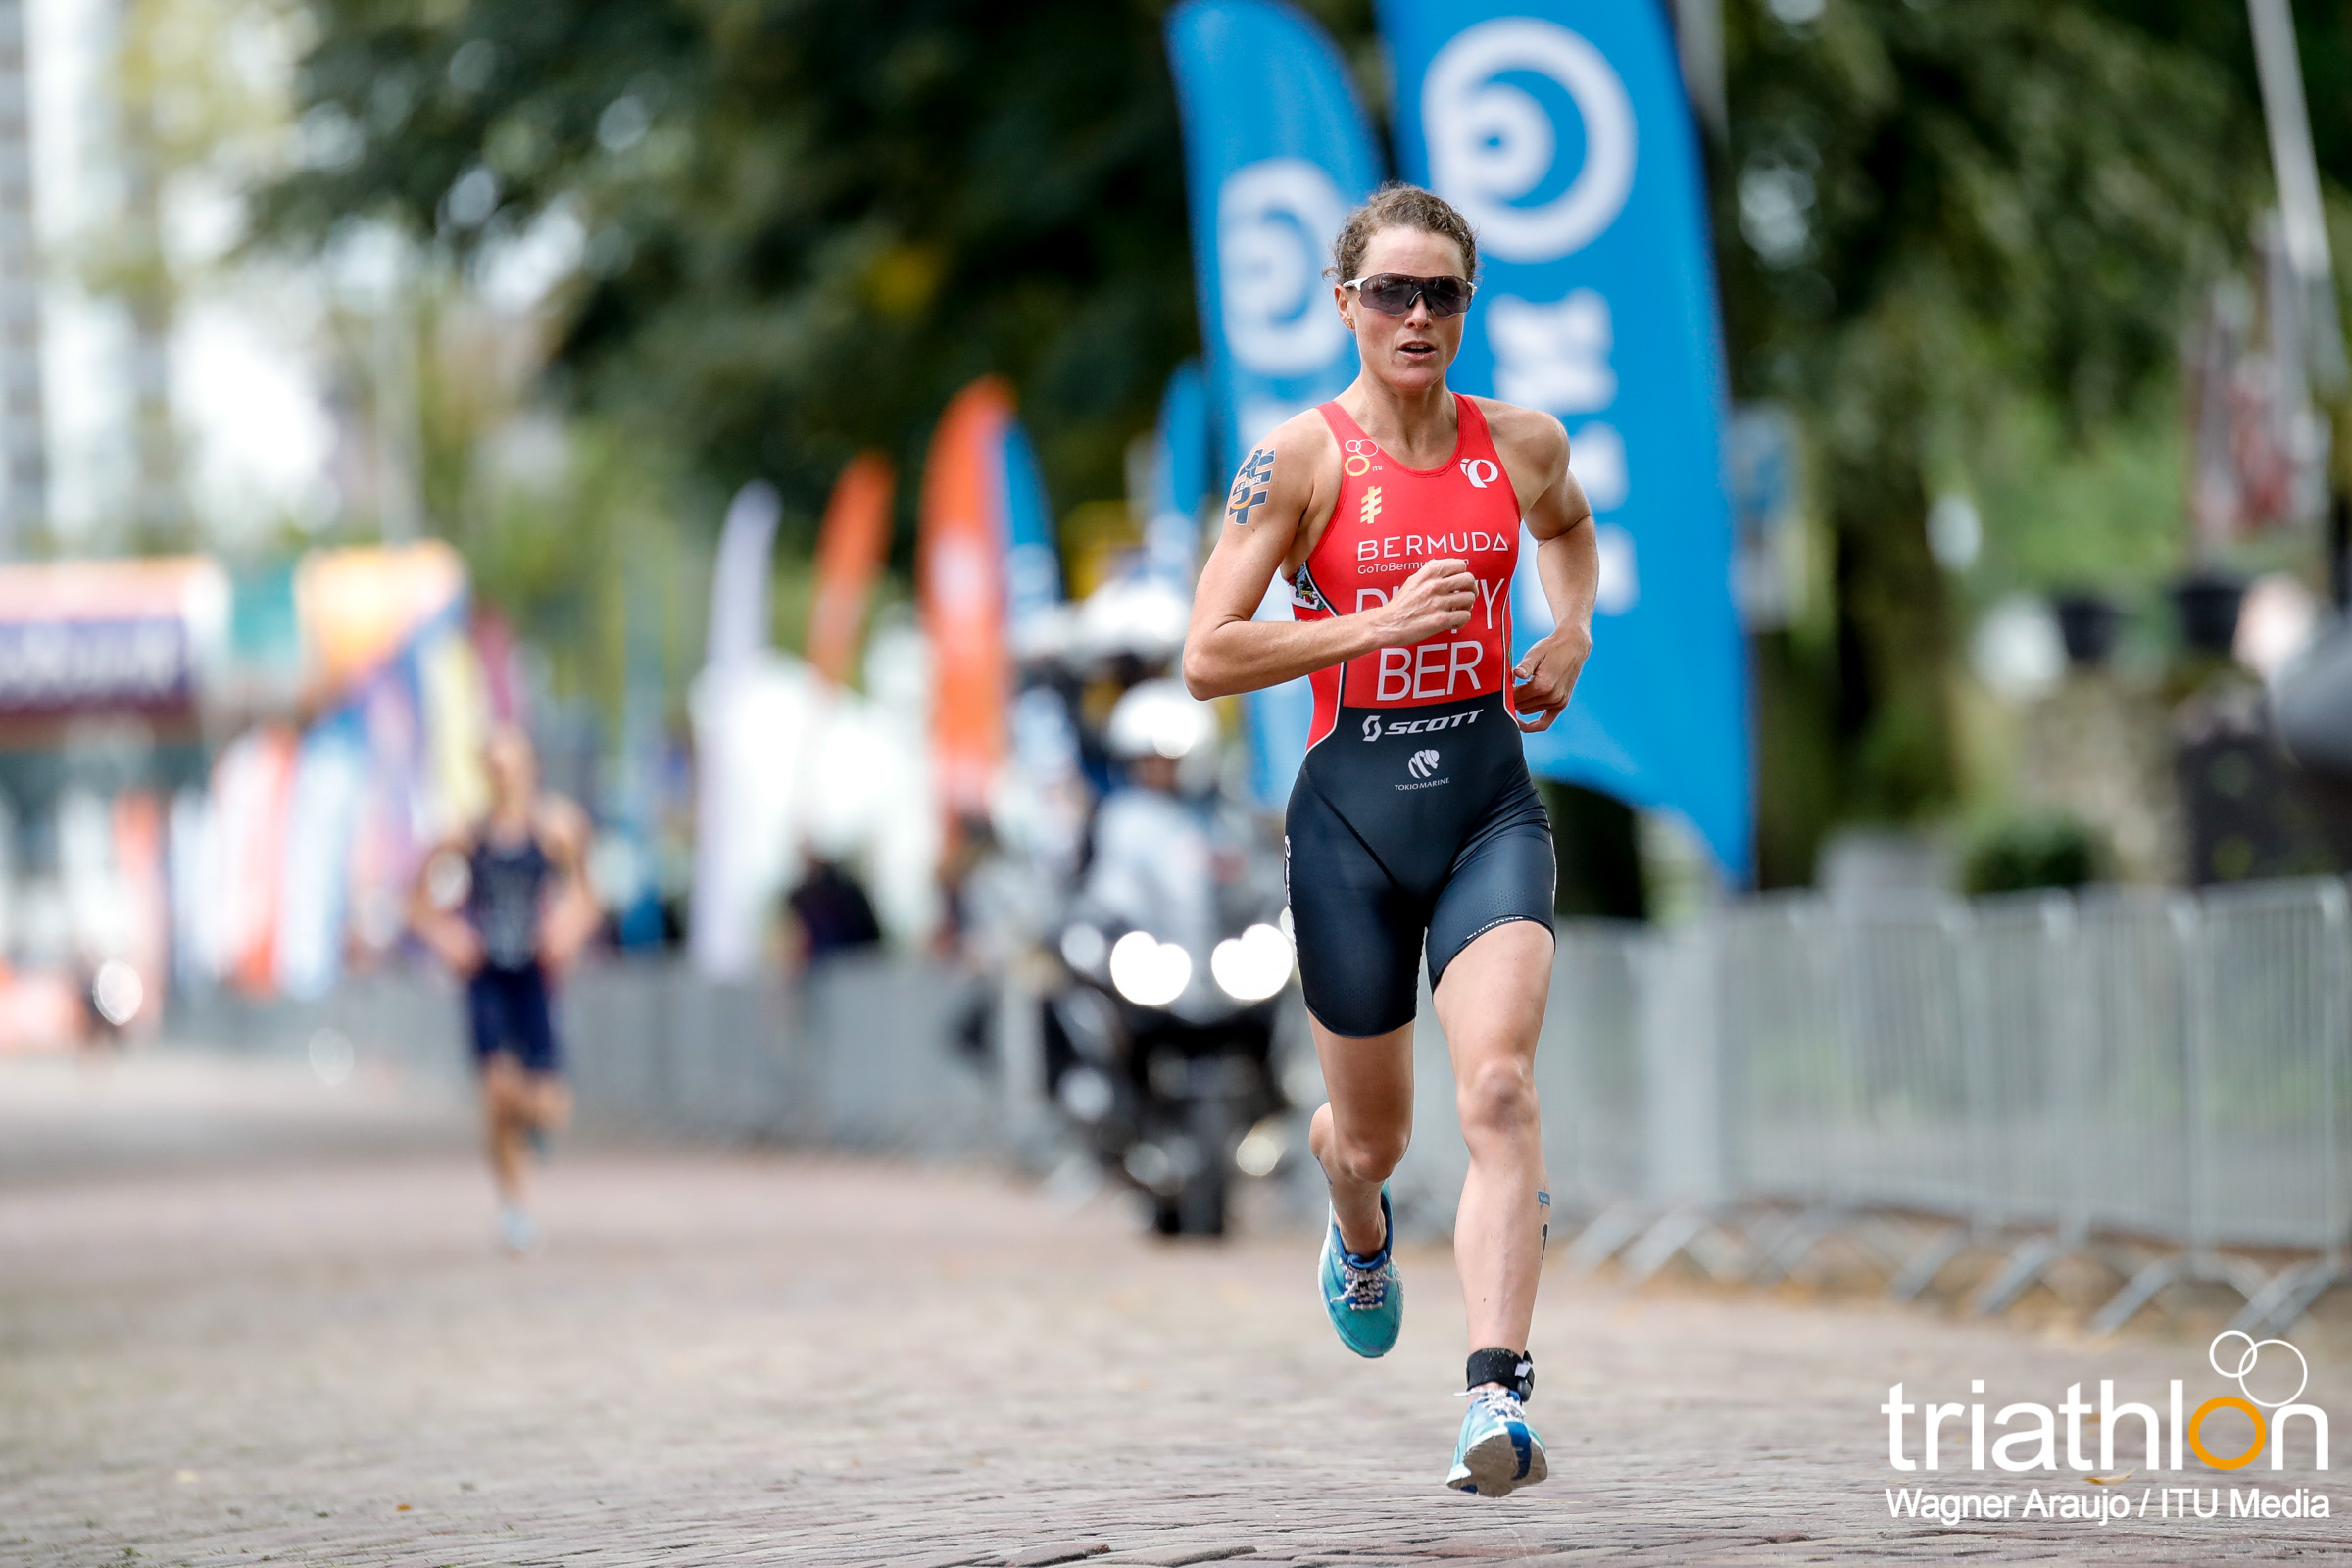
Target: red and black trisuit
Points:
(1413, 817)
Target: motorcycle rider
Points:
(1189, 1035)
(1154, 865)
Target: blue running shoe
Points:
(1364, 1295)
(516, 1235)
(1499, 1450)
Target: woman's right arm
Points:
(436, 916)
(1226, 652)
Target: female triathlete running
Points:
(507, 906)
(1393, 511)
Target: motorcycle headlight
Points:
(1086, 1094)
(1150, 972)
(1254, 965)
(1083, 947)
(1262, 1149)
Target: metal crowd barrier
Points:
(2157, 1082)
(1589, 1068)
(2161, 1082)
(860, 1053)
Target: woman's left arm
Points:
(1559, 518)
(571, 917)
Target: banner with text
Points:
(1561, 132)
(1277, 153)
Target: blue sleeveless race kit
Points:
(507, 1000)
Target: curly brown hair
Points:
(1396, 205)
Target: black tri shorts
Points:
(512, 1010)
(1409, 828)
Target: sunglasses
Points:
(1393, 293)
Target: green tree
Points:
(805, 226)
(1931, 209)
(807, 223)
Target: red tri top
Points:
(1390, 520)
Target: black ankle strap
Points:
(1515, 1370)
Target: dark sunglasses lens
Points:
(1392, 294)
(1446, 296)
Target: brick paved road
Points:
(732, 1359)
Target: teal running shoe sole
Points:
(1364, 1296)
(1499, 1451)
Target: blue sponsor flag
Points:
(330, 784)
(1559, 129)
(1277, 153)
(1032, 560)
(1180, 479)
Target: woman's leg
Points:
(506, 1108)
(1360, 1134)
(1491, 1005)
(547, 1105)
(550, 1101)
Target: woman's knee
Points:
(1369, 1153)
(504, 1092)
(549, 1102)
(1496, 1099)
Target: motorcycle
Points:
(1173, 1085)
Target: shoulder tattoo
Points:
(1251, 487)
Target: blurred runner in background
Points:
(505, 905)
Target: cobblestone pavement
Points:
(726, 1358)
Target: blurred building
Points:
(225, 780)
(187, 388)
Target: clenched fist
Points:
(1434, 601)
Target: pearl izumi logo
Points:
(2228, 1431)
(1424, 764)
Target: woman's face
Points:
(1410, 351)
(514, 779)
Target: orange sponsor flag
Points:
(849, 556)
(960, 567)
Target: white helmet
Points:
(1136, 615)
(1160, 718)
